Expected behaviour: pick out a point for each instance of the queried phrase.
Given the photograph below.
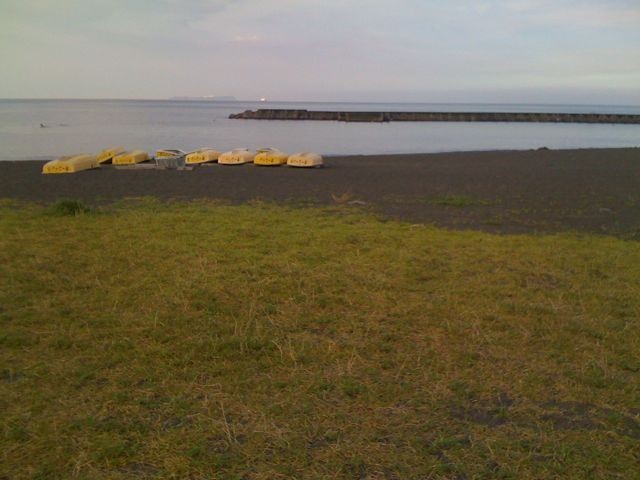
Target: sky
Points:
(515, 51)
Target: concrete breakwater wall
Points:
(283, 114)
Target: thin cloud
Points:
(246, 39)
(302, 46)
(572, 13)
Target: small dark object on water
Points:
(44, 125)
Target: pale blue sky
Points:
(548, 51)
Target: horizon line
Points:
(211, 100)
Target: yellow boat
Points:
(203, 155)
(108, 154)
(169, 152)
(238, 156)
(71, 164)
(305, 159)
(130, 158)
(270, 157)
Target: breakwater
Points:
(287, 114)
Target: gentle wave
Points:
(89, 125)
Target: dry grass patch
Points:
(154, 340)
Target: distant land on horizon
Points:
(230, 99)
(220, 98)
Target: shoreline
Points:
(46, 158)
(503, 191)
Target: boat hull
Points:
(71, 164)
(107, 155)
(270, 158)
(131, 158)
(305, 160)
(202, 156)
(236, 157)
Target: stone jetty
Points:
(284, 114)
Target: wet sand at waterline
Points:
(591, 190)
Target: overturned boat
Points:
(71, 164)
(107, 155)
(204, 155)
(305, 159)
(238, 156)
(170, 152)
(130, 158)
(170, 158)
(270, 157)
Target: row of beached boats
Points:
(171, 158)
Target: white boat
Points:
(204, 155)
(238, 156)
(306, 160)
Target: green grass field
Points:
(201, 340)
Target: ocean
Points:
(76, 126)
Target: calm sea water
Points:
(91, 125)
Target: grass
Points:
(68, 207)
(195, 340)
(457, 201)
(633, 201)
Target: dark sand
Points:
(596, 190)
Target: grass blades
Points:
(200, 340)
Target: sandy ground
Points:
(595, 190)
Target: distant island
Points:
(212, 98)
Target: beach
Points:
(427, 268)
(589, 190)
(261, 340)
